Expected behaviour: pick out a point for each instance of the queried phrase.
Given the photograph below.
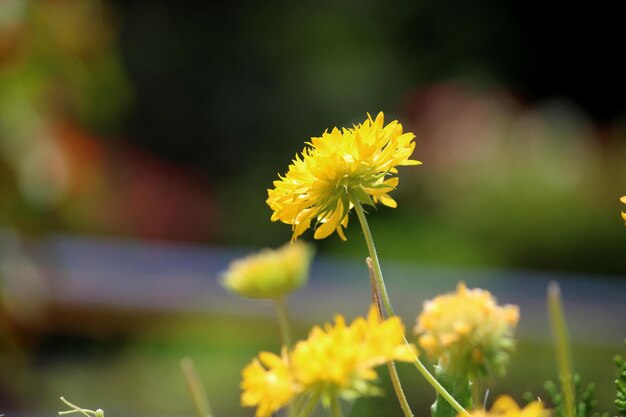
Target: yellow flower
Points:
(623, 200)
(337, 170)
(339, 360)
(467, 331)
(267, 384)
(270, 273)
(505, 406)
(336, 360)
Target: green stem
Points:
(380, 283)
(283, 321)
(391, 366)
(195, 387)
(77, 409)
(285, 335)
(335, 407)
(561, 346)
(397, 387)
(378, 273)
(310, 405)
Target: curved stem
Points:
(391, 366)
(335, 407)
(283, 321)
(380, 283)
(397, 387)
(439, 388)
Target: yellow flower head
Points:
(336, 360)
(267, 384)
(270, 273)
(467, 331)
(340, 359)
(623, 200)
(337, 170)
(505, 406)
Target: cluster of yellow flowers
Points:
(467, 331)
(623, 200)
(335, 361)
(270, 273)
(336, 171)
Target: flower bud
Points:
(271, 273)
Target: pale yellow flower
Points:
(623, 200)
(340, 359)
(337, 170)
(270, 273)
(267, 384)
(506, 406)
(467, 332)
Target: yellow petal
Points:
(533, 409)
(380, 120)
(410, 162)
(330, 225)
(270, 359)
(504, 404)
(341, 234)
(388, 201)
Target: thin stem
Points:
(283, 321)
(391, 366)
(63, 413)
(195, 387)
(310, 405)
(75, 409)
(285, 335)
(378, 273)
(561, 346)
(335, 407)
(397, 387)
(380, 283)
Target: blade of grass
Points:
(561, 346)
(196, 388)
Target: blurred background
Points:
(138, 139)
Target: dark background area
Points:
(212, 79)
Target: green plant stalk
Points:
(561, 346)
(283, 321)
(309, 406)
(380, 283)
(391, 366)
(397, 387)
(335, 407)
(285, 335)
(196, 388)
